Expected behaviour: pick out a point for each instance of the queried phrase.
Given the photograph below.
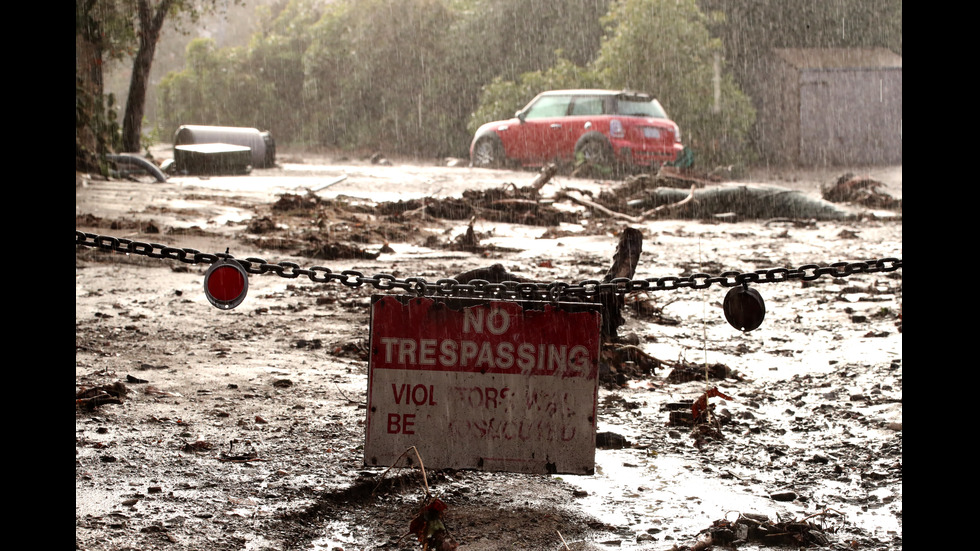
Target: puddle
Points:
(664, 497)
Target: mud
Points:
(243, 429)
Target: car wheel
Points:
(488, 153)
(594, 156)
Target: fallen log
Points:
(745, 201)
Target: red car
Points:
(612, 128)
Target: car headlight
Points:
(677, 133)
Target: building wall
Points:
(850, 117)
(824, 113)
(777, 111)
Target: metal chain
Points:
(586, 290)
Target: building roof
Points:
(840, 58)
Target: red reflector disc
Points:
(225, 284)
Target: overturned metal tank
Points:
(261, 143)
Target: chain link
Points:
(585, 290)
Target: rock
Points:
(610, 440)
(783, 496)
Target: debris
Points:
(244, 457)
(623, 357)
(194, 447)
(508, 203)
(312, 344)
(758, 529)
(669, 176)
(335, 250)
(494, 274)
(262, 224)
(240, 458)
(783, 496)
(683, 372)
(543, 177)
(700, 406)
(679, 414)
(862, 191)
(146, 366)
(468, 241)
(429, 528)
(154, 391)
(576, 197)
(611, 441)
(706, 425)
(644, 305)
(91, 398)
(336, 180)
(427, 525)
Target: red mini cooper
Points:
(603, 127)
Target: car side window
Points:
(549, 106)
(587, 106)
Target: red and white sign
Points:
(491, 385)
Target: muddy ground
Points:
(244, 429)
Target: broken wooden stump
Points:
(611, 302)
(625, 259)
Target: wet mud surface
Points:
(244, 429)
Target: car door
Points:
(586, 114)
(541, 129)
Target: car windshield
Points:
(637, 107)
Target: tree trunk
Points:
(151, 24)
(88, 91)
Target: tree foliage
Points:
(664, 47)
(110, 29)
(661, 47)
(501, 98)
(372, 74)
(395, 75)
(750, 28)
(260, 85)
(417, 76)
(102, 33)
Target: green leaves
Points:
(418, 76)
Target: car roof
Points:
(592, 92)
